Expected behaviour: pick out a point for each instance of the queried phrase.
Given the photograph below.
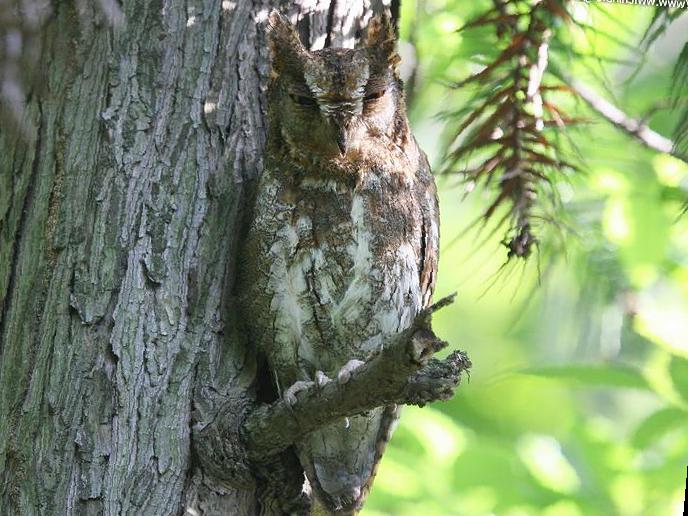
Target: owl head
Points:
(333, 103)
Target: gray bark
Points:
(124, 384)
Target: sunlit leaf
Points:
(544, 458)
(611, 375)
(658, 424)
(441, 437)
(679, 375)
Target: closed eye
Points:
(303, 100)
(374, 96)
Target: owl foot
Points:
(321, 379)
(344, 373)
(290, 393)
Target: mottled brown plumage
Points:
(342, 251)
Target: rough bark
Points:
(120, 209)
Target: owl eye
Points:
(374, 96)
(303, 100)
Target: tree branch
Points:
(403, 373)
(631, 126)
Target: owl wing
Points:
(263, 246)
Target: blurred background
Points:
(577, 402)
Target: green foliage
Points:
(604, 375)
(679, 376)
(656, 425)
(577, 402)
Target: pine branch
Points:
(508, 127)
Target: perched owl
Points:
(342, 250)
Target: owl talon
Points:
(291, 392)
(321, 379)
(344, 374)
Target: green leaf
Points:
(611, 375)
(678, 369)
(657, 424)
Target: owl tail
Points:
(341, 459)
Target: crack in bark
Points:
(21, 225)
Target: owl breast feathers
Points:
(342, 250)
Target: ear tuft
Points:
(382, 38)
(285, 45)
(277, 23)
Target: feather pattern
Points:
(343, 245)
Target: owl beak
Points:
(342, 140)
(340, 126)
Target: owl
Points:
(342, 250)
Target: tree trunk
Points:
(120, 211)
